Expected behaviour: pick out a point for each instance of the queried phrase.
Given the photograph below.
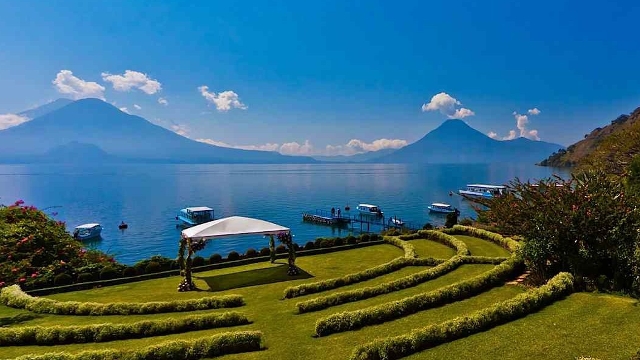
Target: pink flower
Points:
(22, 279)
(62, 262)
(34, 275)
(15, 270)
(19, 202)
(2, 284)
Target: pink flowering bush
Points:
(35, 248)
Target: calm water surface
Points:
(147, 197)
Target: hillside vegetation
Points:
(609, 148)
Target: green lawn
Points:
(428, 248)
(479, 247)
(585, 324)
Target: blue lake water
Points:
(148, 197)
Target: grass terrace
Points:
(456, 308)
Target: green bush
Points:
(62, 279)
(466, 222)
(129, 272)
(215, 258)
(76, 334)
(365, 237)
(324, 285)
(339, 241)
(327, 243)
(205, 347)
(409, 250)
(505, 242)
(310, 245)
(445, 239)
(251, 253)
(427, 226)
(233, 256)
(351, 320)
(197, 261)
(352, 240)
(481, 320)
(82, 278)
(281, 249)
(484, 260)
(109, 273)
(374, 237)
(153, 267)
(14, 297)
(265, 251)
(381, 289)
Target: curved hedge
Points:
(481, 320)
(352, 320)
(196, 349)
(441, 237)
(14, 297)
(381, 289)
(409, 250)
(505, 242)
(484, 260)
(60, 335)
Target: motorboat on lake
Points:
(368, 209)
(191, 216)
(397, 222)
(483, 191)
(441, 208)
(87, 231)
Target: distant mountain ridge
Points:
(611, 146)
(120, 135)
(356, 158)
(455, 142)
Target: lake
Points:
(148, 196)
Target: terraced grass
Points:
(479, 247)
(429, 248)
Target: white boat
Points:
(196, 215)
(87, 231)
(368, 209)
(441, 208)
(397, 222)
(482, 190)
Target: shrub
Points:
(233, 256)
(409, 251)
(374, 237)
(153, 267)
(129, 272)
(82, 278)
(351, 240)
(310, 245)
(365, 237)
(215, 258)
(384, 288)
(505, 242)
(109, 273)
(296, 247)
(318, 241)
(444, 238)
(481, 320)
(200, 348)
(76, 334)
(351, 320)
(14, 297)
(427, 226)
(327, 243)
(338, 241)
(197, 261)
(451, 219)
(251, 253)
(62, 279)
(280, 249)
(466, 222)
(265, 252)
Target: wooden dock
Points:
(323, 217)
(360, 222)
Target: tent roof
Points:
(230, 226)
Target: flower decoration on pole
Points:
(188, 247)
(272, 249)
(286, 239)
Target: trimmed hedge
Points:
(505, 242)
(324, 285)
(384, 288)
(409, 251)
(205, 347)
(441, 237)
(478, 321)
(484, 260)
(352, 320)
(14, 297)
(59, 335)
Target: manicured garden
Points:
(430, 295)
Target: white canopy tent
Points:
(232, 226)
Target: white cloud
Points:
(533, 134)
(133, 79)
(125, 110)
(138, 107)
(447, 104)
(512, 135)
(352, 147)
(163, 101)
(67, 83)
(11, 120)
(534, 111)
(181, 129)
(492, 135)
(521, 123)
(223, 101)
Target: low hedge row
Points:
(439, 236)
(478, 321)
(59, 335)
(505, 242)
(14, 297)
(409, 250)
(352, 320)
(484, 260)
(196, 349)
(324, 285)
(381, 289)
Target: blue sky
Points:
(327, 72)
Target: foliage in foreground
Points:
(500, 313)
(206, 347)
(586, 226)
(14, 297)
(59, 335)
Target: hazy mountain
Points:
(46, 108)
(455, 142)
(130, 137)
(357, 158)
(611, 147)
